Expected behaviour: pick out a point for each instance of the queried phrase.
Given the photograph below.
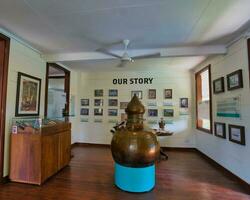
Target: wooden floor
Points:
(186, 175)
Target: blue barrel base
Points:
(131, 179)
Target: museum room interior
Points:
(115, 99)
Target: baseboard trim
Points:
(189, 149)
(225, 171)
(83, 144)
(4, 179)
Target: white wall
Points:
(21, 59)
(232, 156)
(169, 77)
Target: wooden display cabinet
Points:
(36, 155)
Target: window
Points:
(203, 100)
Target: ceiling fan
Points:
(125, 58)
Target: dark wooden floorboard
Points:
(90, 176)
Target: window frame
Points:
(210, 131)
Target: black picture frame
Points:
(34, 85)
(98, 93)
(218, 85)
(217, 127)
(168, 93)
(113, 112)
(84, 111)
(84, 102)
(138, 93)
(152, 94)
(98, 102)
(168, 112)
(153, 112)
(113, 102)
(98, 111)
(235, 80)
(237, 134)
(113, 92)
(184, 102)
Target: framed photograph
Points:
(112, 112)
(184, 102)
(152, 112)
(84, 111)
(237, 134)
(235, 80)
(138, 93)
(220, 129)
(28, 95)
(98, 102)
(98, 93)
(98, 111)
(218, 85)
(168, 112)
(84, 102)
(152, 94)
(113, 102)
(123, 105)
(113, 92)
(124, 117)
(168, 93)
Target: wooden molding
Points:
(81, 144)
(4, 180)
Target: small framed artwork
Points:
(113, 102)
(184, 102)
(152, 112)
(123, 105)
(235, 80)
(168, 93)
(98, 93)
(218, 85)
(98, 102)
(138, 93)
(28, 95)
(84, 102)
(98, 111)
(112, 112)
(113, 92)
(220, 129)
(168, 112)
(124, 117)
(152, 94)
(237, 134)
(84, 111)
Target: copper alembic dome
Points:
(132, 146)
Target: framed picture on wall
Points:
(184, 102)
(152, 94)
(220, 129)
(98, 93)
(98, 111)
(113, 102)
(28, 95)
(168, 94)
(152, 112)
(84, 111)
(98, 102)
(237, 134)
(113, 92)
(218, 85)
(112, 112)
(123, 105)
(168, 112)
(84, 102)
(235, 80)
(137, 93)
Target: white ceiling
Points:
(67, 26)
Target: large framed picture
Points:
(168, 93)
(220, 129)
(152, 112)
(218, 85)
(137, 93)
(113, 92)
(28, 95)
(237, 134)
(152, 94)
(235, 80)
(84, 102)
(168, 112)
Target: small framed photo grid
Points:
(237, 134)
(98, 102)
(112, 112)
(113, 102)
(84, 102)
(98, 111)
(152, 112)
(152, 94)
(168, 112)
(218, 85)
(138, 93)
(235, 80)
(84, 111)
(220, 129)
(98, 93)
(113, 92)
(168, 93)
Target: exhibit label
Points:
(131, 81)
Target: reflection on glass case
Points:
(33, 125)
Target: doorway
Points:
(57, 94)
(4, 60)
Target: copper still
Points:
(131, 145)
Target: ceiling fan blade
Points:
(105, 51)
(122, 64)
(155, 55)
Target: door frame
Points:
(3, 95)
(66, 87)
